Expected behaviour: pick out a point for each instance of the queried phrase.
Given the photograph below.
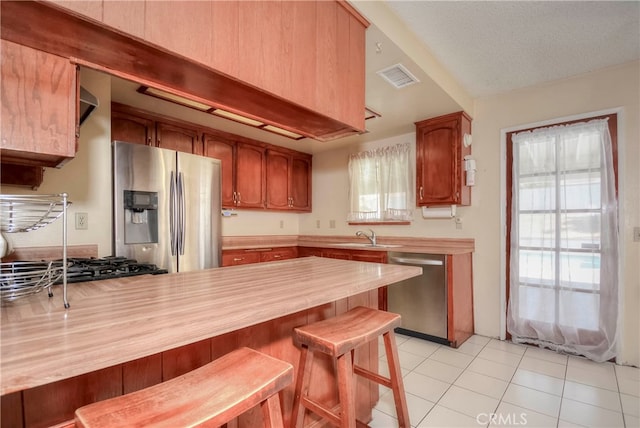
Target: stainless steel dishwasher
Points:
(421, 300)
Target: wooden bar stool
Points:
(211, 395)
(339, 337)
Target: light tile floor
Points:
(492, 383)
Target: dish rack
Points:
(24, 213)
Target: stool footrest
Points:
(321, 410)
(375, 377)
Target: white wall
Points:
(86, 178)
(617, 87)
(608, 89)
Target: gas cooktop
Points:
(94, 269)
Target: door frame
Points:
(504, 215)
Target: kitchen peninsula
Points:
(123, 334)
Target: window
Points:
(563, 238)
(381, 185)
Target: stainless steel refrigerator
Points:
(167, 208)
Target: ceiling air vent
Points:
(398, 76)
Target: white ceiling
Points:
(496, 46)
(488, 47)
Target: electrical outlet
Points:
(317, 224)
(82, 221)
(281, 224)
(332, 224)
(636, 234)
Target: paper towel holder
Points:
(440, 212)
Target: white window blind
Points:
(381, 185)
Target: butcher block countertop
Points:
(114, 321)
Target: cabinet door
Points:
(300, 186)
(173, 137)
(278, 178)
(39, 107)
(132, 129)
(436, 164)
(224, 150)
(250, 176)
(309, 251)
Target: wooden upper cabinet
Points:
(182, 139)
(225, 37)
(224, 150)
(278, 173)
(125, 15)
(39, 107)
(90, 8)
(183, 27)
(288, 181)
(250, 173)
(440, 160)
(300, 184)
(132, 129)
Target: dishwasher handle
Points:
(416, 261)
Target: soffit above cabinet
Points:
(90, 43)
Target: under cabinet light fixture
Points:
(237, 118)
(167, 96)
(205, 108)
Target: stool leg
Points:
(302, 386)
(397, 384)
(272, 415)
(345, 391)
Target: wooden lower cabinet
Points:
(345, 254)
(460, 325)
(56, 403)
(257, 255)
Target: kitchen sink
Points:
(364, 245)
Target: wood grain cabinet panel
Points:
(239, 257)
(224, 150)
(90, 8)
(225, 23)
(276, 254)
(184, 27)
(250, 174)
(440, 160)
(125, 15)
(39, 99)
(288, 181)
(182, 139)
(132, 129)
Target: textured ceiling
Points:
(491, 47)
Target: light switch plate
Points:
(82, 221)
(636, 234)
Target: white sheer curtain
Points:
(381, 185)
(564, 240)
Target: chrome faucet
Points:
(371, 238)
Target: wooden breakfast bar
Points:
(122, 335)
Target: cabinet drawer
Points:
(233, 258)
(279, 254)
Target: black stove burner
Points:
(92, 269)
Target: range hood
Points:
(88, 103)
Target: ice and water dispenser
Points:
(140, 217)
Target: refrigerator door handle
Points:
(181, 215)
(172, 213)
